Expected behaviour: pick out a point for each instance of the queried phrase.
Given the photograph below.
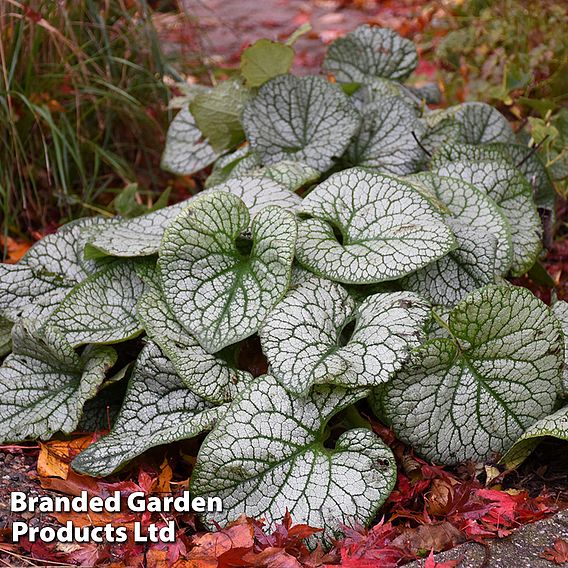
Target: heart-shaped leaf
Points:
(388, 137)
(306, 119)
(511, 191)
(142, 236)
(371, 52)
(267, 455)
(219, 284)
(553, 426)
(186, 150)
(474, 394)
(158, 409)
(366, 227)
(472, 207)
(264, 60)
(34, 287)
(481, 123)
(44, 383)
(209, 376)
(102, 308)
(523, 158)
(319, 335)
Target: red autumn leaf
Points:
(431, 562)
(558, 553)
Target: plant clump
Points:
(363, 237)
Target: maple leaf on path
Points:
(558, 553)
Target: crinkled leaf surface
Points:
(264, 60)
(257, 193)
(34, 287)
(385, 139)
(554, 426)
(481, 123)
(186, 150)
(472, 207)
(218, 113)
(560, 310)
(158, 409)
(371, 52)
(102, 308)
(309, 338)
(470, 266)
(207, 375)
(439, 129)
(511, 191)
(215, 289)
(386, 229)
(142, 236)
(306, 119)
(522, 157)
(266, 455)
(44, 383)
(291, 175)
(474, 395)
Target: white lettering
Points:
(18, 502)
(136, 502)
(18, 529)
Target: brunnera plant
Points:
(364, 238)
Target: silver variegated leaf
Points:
(186, 150)
(472, 395)
(291, 175)
(365, 227)
(481, 123)
(44, 383)
(470, 266)
(385, 138)
(142, 236)
(472, 207)
(219, 284)
(34, 287)
(371, 52)
(553, 426)
(266, 455)
(305, 119)
(102, 308)
(319, 335)
(209, 376)
(158, 409)
(522, 157)
(511, 191)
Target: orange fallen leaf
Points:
(55, 456)
(15, 249)
(162, 483)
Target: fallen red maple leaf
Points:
(431, 562)
(558, 553)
